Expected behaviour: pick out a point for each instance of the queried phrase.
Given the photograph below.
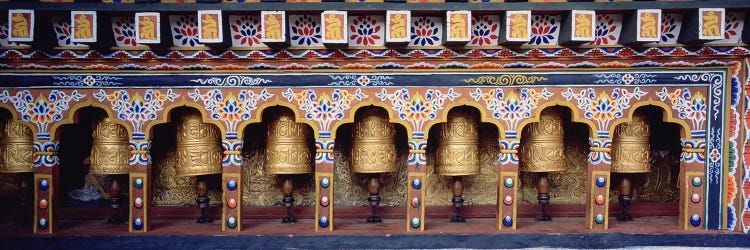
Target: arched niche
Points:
(168, 188)
(10, 186)
(78, 187)
(479, 189)
(264, 189)
(352, 187)
(660, 184)
(566, 186)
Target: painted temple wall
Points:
(700, 92)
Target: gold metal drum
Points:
(109, 151)
(16, 148)
(630, 146)
(198, 147)
(458, 143)
(287, 151)
(373, 142)
(543, 147)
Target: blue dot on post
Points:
(695, 220)
(601, 181)
(43, 184)
(323, 222)
(599, 219)
(508, 182)
(137, 224)
(415, 222)
(697, 181)
(416, 183)
(231, 222)
(42, 223)
(508, 221)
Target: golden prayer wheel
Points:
(198, 147)
(458, 143)
(16, 148)
(109, 153)
(373, 142)
(543, 147)
(287, 151)
(630, 146)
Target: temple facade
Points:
(315, 106)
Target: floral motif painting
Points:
(426, 31)
(608, 28)
(485, 30)
(511, 107)
(690, 106)
(123, 28)
(545, 29)
(245, 31)
(41, 110)
(61, 25)
(229, 108)
(184, 30)
(136, 108)
(324, 108)
(305, 30)
(602, 107)
(416, 108)
(366, 30)
(671, 24)
(733, 28)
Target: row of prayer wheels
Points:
(373, 151)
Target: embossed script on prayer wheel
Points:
(286, 145)
(198, 147)
(109, 151)
(373, 142)
(630, 147)
(458, 144)
(16, 148)
(542, 150)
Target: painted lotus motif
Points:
(305, 30)
(229, 108)
(324, 108)
(123, 28)
(607, 30)
(366, 31)
(511, 108)
(415, 108)
(184, 30)
(544, 29)
(425, 31)
(485, 30)
(44, 109)
(245, 31)
(689, 106)
(136, 108)
(603, 107)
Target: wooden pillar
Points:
(598, 179)
(231, 213)
(417, 171)
(507, 184)
(692, 181)
(324, 185)
(140, 185)
(46, 186)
